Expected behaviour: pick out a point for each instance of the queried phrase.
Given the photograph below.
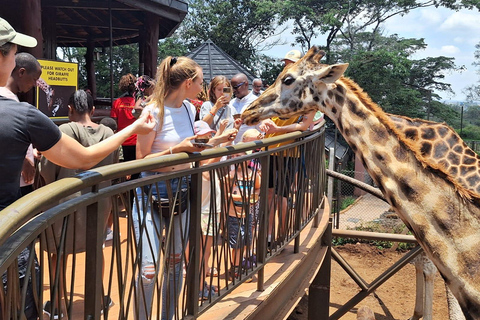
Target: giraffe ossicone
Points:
(424, 169)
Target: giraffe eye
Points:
(288, 80)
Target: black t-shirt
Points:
(20, 125)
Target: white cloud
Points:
(449, 50)
(430, 17)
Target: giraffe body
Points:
(440, 208)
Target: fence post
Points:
(193, 269)
(331, 166)
(93, 260)
(263, 221)
(319, 290)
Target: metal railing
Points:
(58, 245)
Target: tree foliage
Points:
(241, 28)
(401, 85)
(348, 18)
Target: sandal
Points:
(233, 273)
(249, 262)
(212, 272)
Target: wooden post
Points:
(30, 16)
(93, 261)
(90, 67)
(149, 44)
(319, 291)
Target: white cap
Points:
(8, 34)
(293, 55)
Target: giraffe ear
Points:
(334, 72)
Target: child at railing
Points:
(244, 188)
(211, 204)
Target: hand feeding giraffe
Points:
(425, 171)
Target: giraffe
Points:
(424, 170)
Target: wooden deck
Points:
(286, 278)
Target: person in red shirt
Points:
(122, 113)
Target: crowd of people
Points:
(152, 118)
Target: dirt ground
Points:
(395, 299)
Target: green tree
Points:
(398, 83)
(349, 18)
(125, 60)
(241, 28)
(473, 92)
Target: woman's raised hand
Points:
(145, 123)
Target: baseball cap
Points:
(8, 34)
(293, 55)
(201, 127)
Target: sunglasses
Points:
(238, 85)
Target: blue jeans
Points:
(149, 226)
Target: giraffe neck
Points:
(444, 223)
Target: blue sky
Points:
(446, 32)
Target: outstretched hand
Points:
(145, 123)
(268, 126)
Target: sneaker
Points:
(206, 293)
(47, 309)
(109, 235)
(107, 303)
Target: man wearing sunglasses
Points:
(243, 98)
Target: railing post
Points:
(194, 237)
(263, 223)
(93, 261)
(300, 196)
(319, 291)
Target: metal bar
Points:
(349, 270)
(361, 185)
(374, 236)
(319, 290)
(263, 223)
(376, 283)
(195, 234)
(93, 262)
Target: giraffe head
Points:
(299, 89)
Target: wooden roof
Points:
(78, 20)
(215, 62)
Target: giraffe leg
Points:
(454, 310)
(420, 286)
(365, 313)
(429, 271)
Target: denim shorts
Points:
(160, 189)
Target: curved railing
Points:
(59, 245)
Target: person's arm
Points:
(145, 142)
(210, 115)
(69, 153)
(303, 125)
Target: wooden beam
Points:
(90, 67)
(103, 5)
(31, 18)
(149, 45)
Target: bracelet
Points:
(213, 114)
(170, 148)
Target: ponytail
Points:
(171, 73)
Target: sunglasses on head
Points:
(238, 85)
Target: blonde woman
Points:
(178, 79)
